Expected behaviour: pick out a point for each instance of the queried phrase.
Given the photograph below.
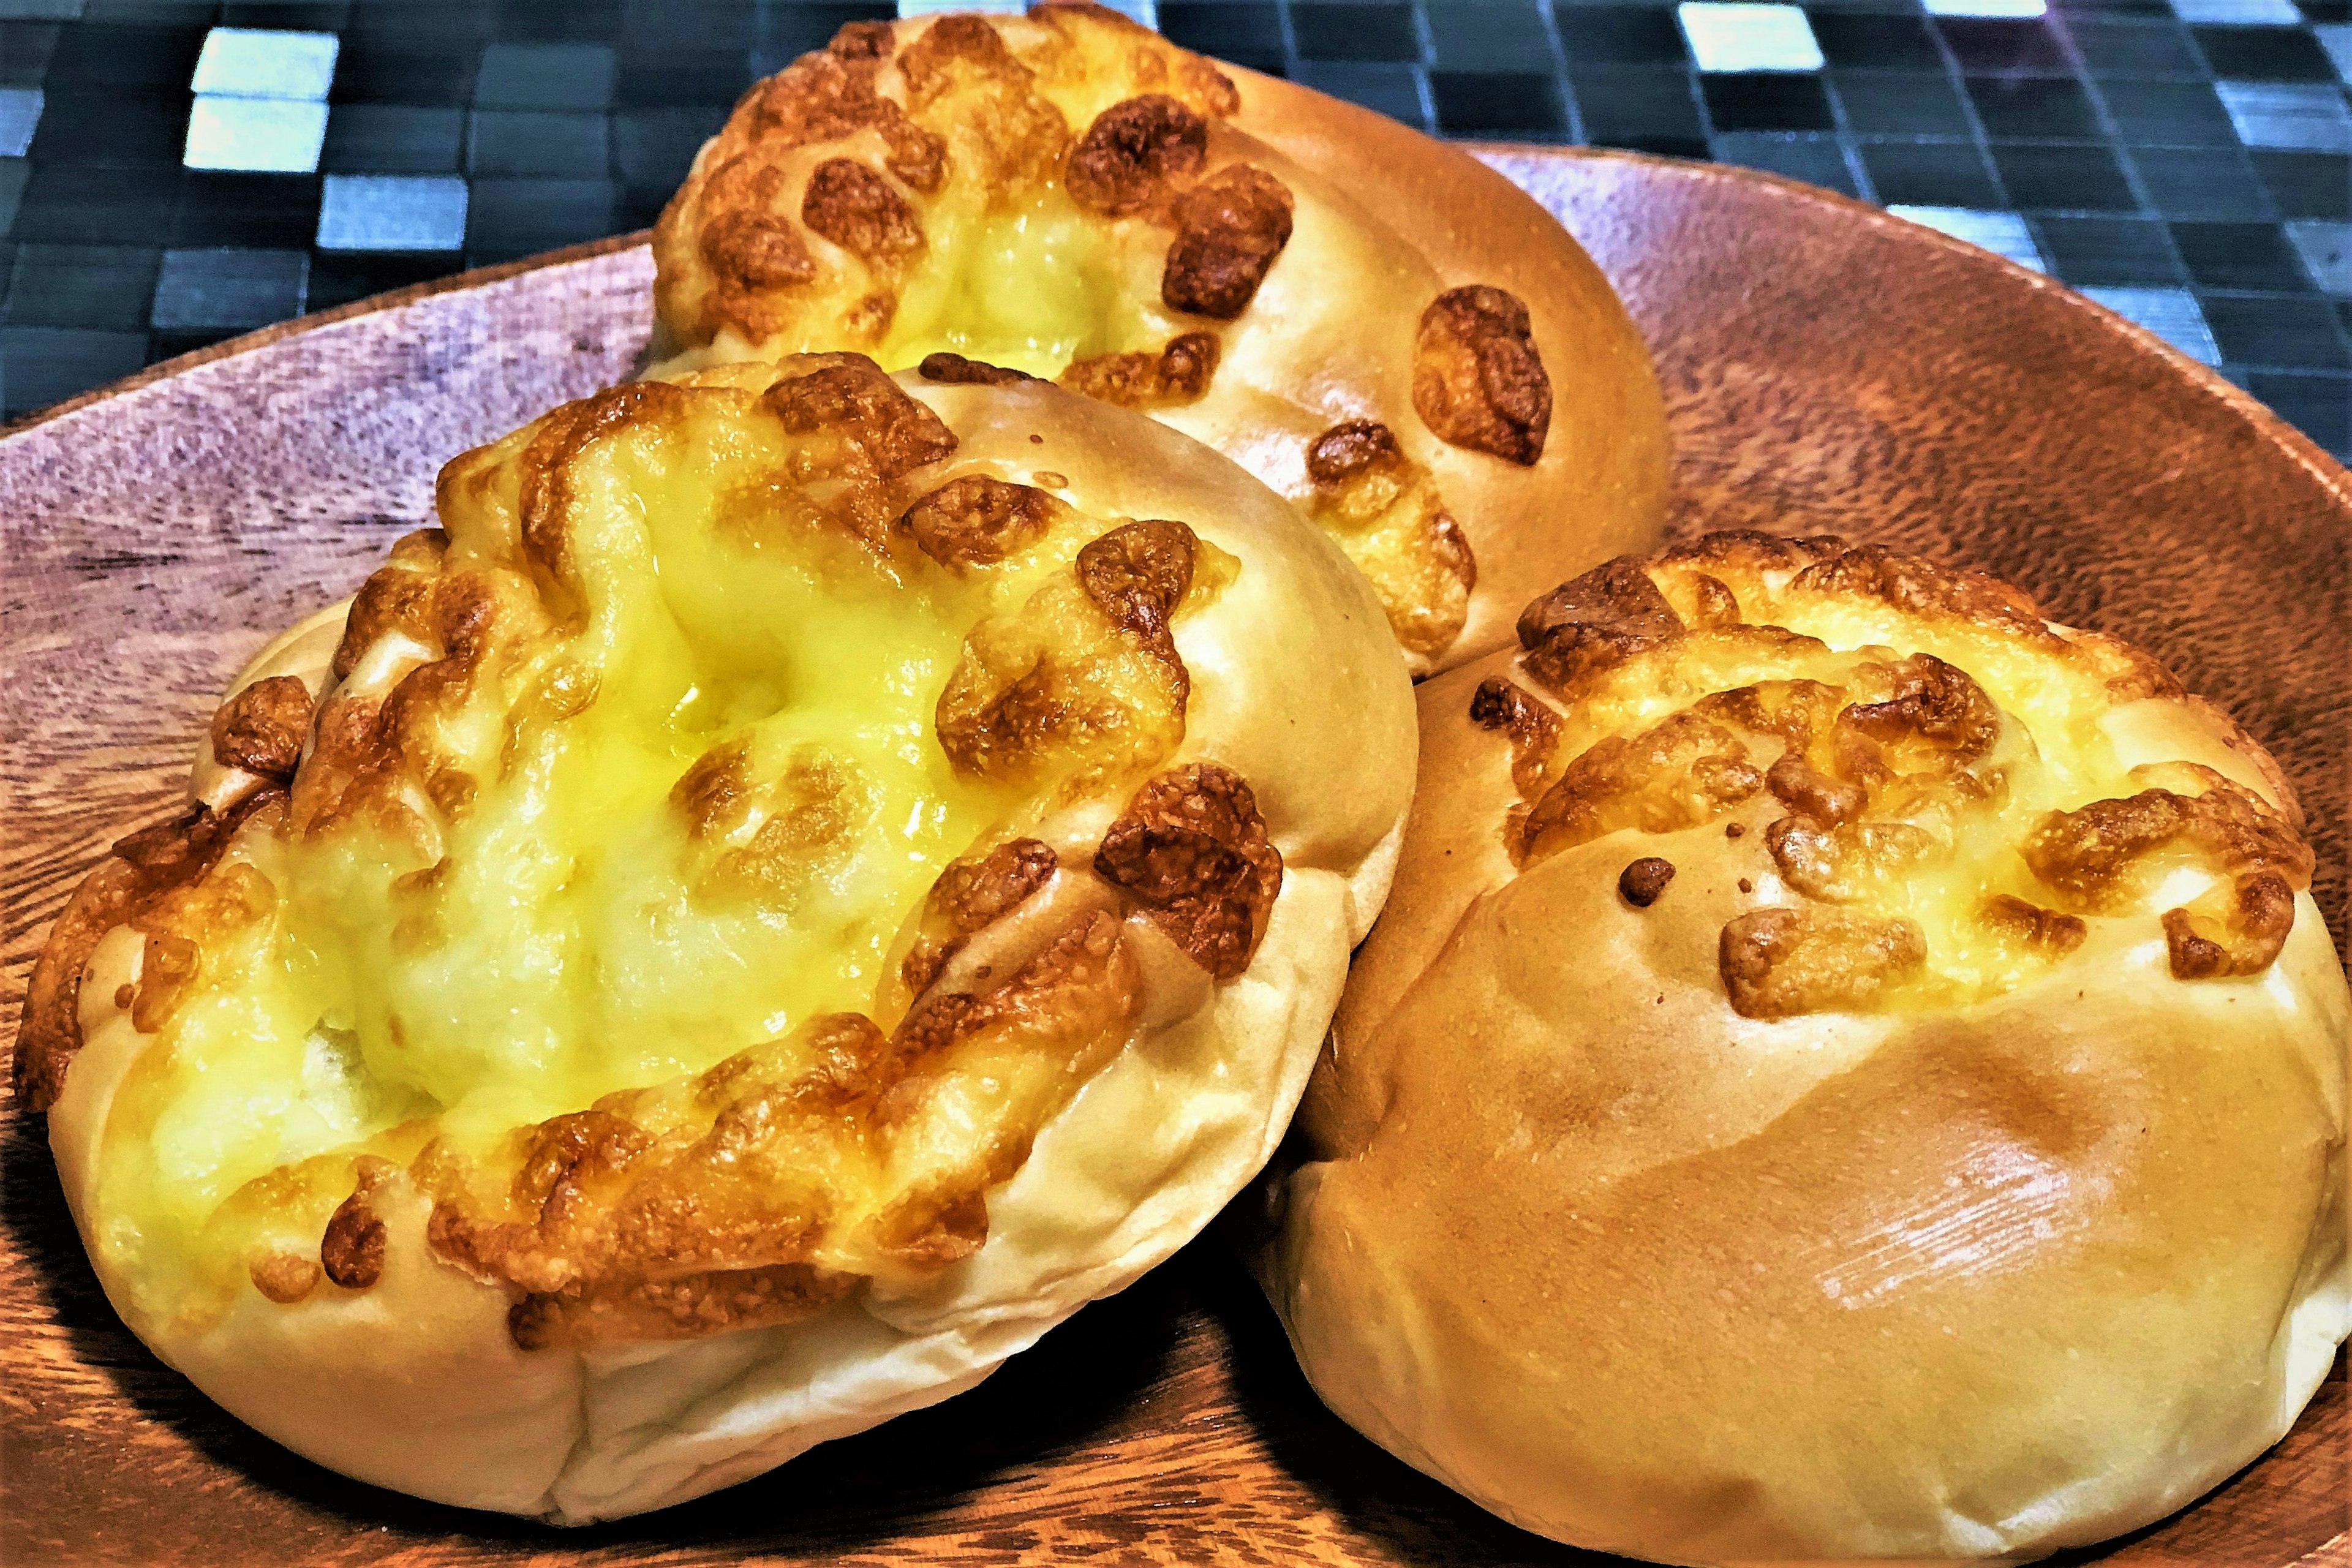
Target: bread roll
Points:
(1404, 344)
(801, 883)
(1849, 1069)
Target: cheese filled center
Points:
(677, 878)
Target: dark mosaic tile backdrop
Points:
(176, 172)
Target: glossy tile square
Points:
(254, 135)
(393, 211)
(1741, 36)
(2170, 313)
(2002, 233)
(251, 62)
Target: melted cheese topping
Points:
(404, 971)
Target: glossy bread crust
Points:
(1849, 1069)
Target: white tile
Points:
(2170, 313)
(1735, 35)
(2002, 233)
(258, 136)
(1987, 9)
(2307, 116)
(20, 111)
(2336, 38)
(2259, 13)
(2326, 248)
(392, 212)
(256, 62)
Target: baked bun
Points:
(807, 882)
(1849, 1069)
(1440, 377)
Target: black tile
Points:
(426, 70)
(2113, 250)
(393, 139)
(1815, 159)
(2263, 54)
(779, 35)
(560, 21)
(526, 142)
(159, 58)
(2308, 184)
(2239, 256)
(1242, 31)
(41, 365)
(2319, 406)
(1907, 103)
(161, 346)
(1631, 107)
(680, 76)
(2112, 48)
(1930, 173)
(2061, 179)
(106, 287)
(1619, 35)
(508, 219)
(2201, 183)
(638, 206)
(1876, 43)
(324, 16)
(106, 128)
(1354, 32)
(1488, 103)
(1689, 147)
(1766, 100)
(1993, 46)
(1390, 89)
(24, 51)
(449, 22)
(95, 206)
(2325, 10)
(2169, 114)
(337, 279)
(545, 75)
(2034, 108)
(1508, 36)
(653, 147)
(266, 211)
(197, 14)
(2288, 331)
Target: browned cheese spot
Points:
(1477, 381)
(1681, 772)
(1532, 729)
(954, 370)
(396, 597)
(1779, 962)
(1137, 574)
(978, 521)
(1133, 151)
(1192, 850)
(1384, 510)
(861, 212)
(1176, 376)
(2045, 933)
(1841, 862)
(756, 250)
(854, 403)
(351, 1251)
(1592, 623)
(1006, 132)
(969, 896)
(1641, 882)
(1229, 228)
(262, 727)
(2235, 929)
(2099, 858)
(136, 881)
(284, 1277)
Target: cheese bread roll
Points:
(1850, 1069)
(1446, 385)
(800, 884)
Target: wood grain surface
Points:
(1827, 368)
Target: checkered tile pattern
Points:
(173, 172)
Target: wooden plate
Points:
(1827, 368)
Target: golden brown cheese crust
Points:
(1878, 998)
(718, 1203)
(817, 213)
